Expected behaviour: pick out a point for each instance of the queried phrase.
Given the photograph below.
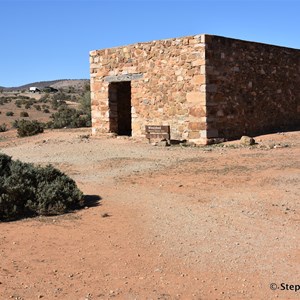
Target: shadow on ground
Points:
(92, 200)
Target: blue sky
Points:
(47, 40)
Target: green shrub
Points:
(46, 111)
(4, 100)
(3, 127)
(74, 98)
(60, 96)
(23, 97)
(55, 104)
(18, 103)
(27, 105)
(71, 89)
(9, 113)
(24, 114)
(87, 87)
(37, 107)
(27, 190)
(31, 101)
(15, 124)
(44, 99)
(85, 103)
(70, 117)
(28, 128)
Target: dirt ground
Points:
(215, 222)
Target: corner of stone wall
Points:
(210, 90)
(196, 99)
(99, 94)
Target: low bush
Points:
(37, 107)
(55, 104)
(9, 113)
(24, 114)
(23, 97)
(28, 128)
(4, 100)
(70, 117)
(18, 103)
(3, 127)
(85, 102)
(15, 124)
(28, 190)
(60, 96)
(44, 99)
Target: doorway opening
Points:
(120, 107)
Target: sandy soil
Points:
(218, 222)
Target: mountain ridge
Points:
(53, 83)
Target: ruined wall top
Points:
(184, 40)
(171, 41)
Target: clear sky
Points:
(47, 40)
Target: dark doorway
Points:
(120, 107)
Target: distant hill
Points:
(58, 84)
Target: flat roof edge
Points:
(92, 52)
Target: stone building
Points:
(204, 87)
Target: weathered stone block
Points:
(203, 69)
(198, 62)
(194, 135)
(195, 98)
(194, 126)
(198, 79)
(197, 112)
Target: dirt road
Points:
(183, 222)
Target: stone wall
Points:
(253, 88)
(204, 87)
(167, 85)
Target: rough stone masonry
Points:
(205, 87)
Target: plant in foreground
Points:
(28, 190)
